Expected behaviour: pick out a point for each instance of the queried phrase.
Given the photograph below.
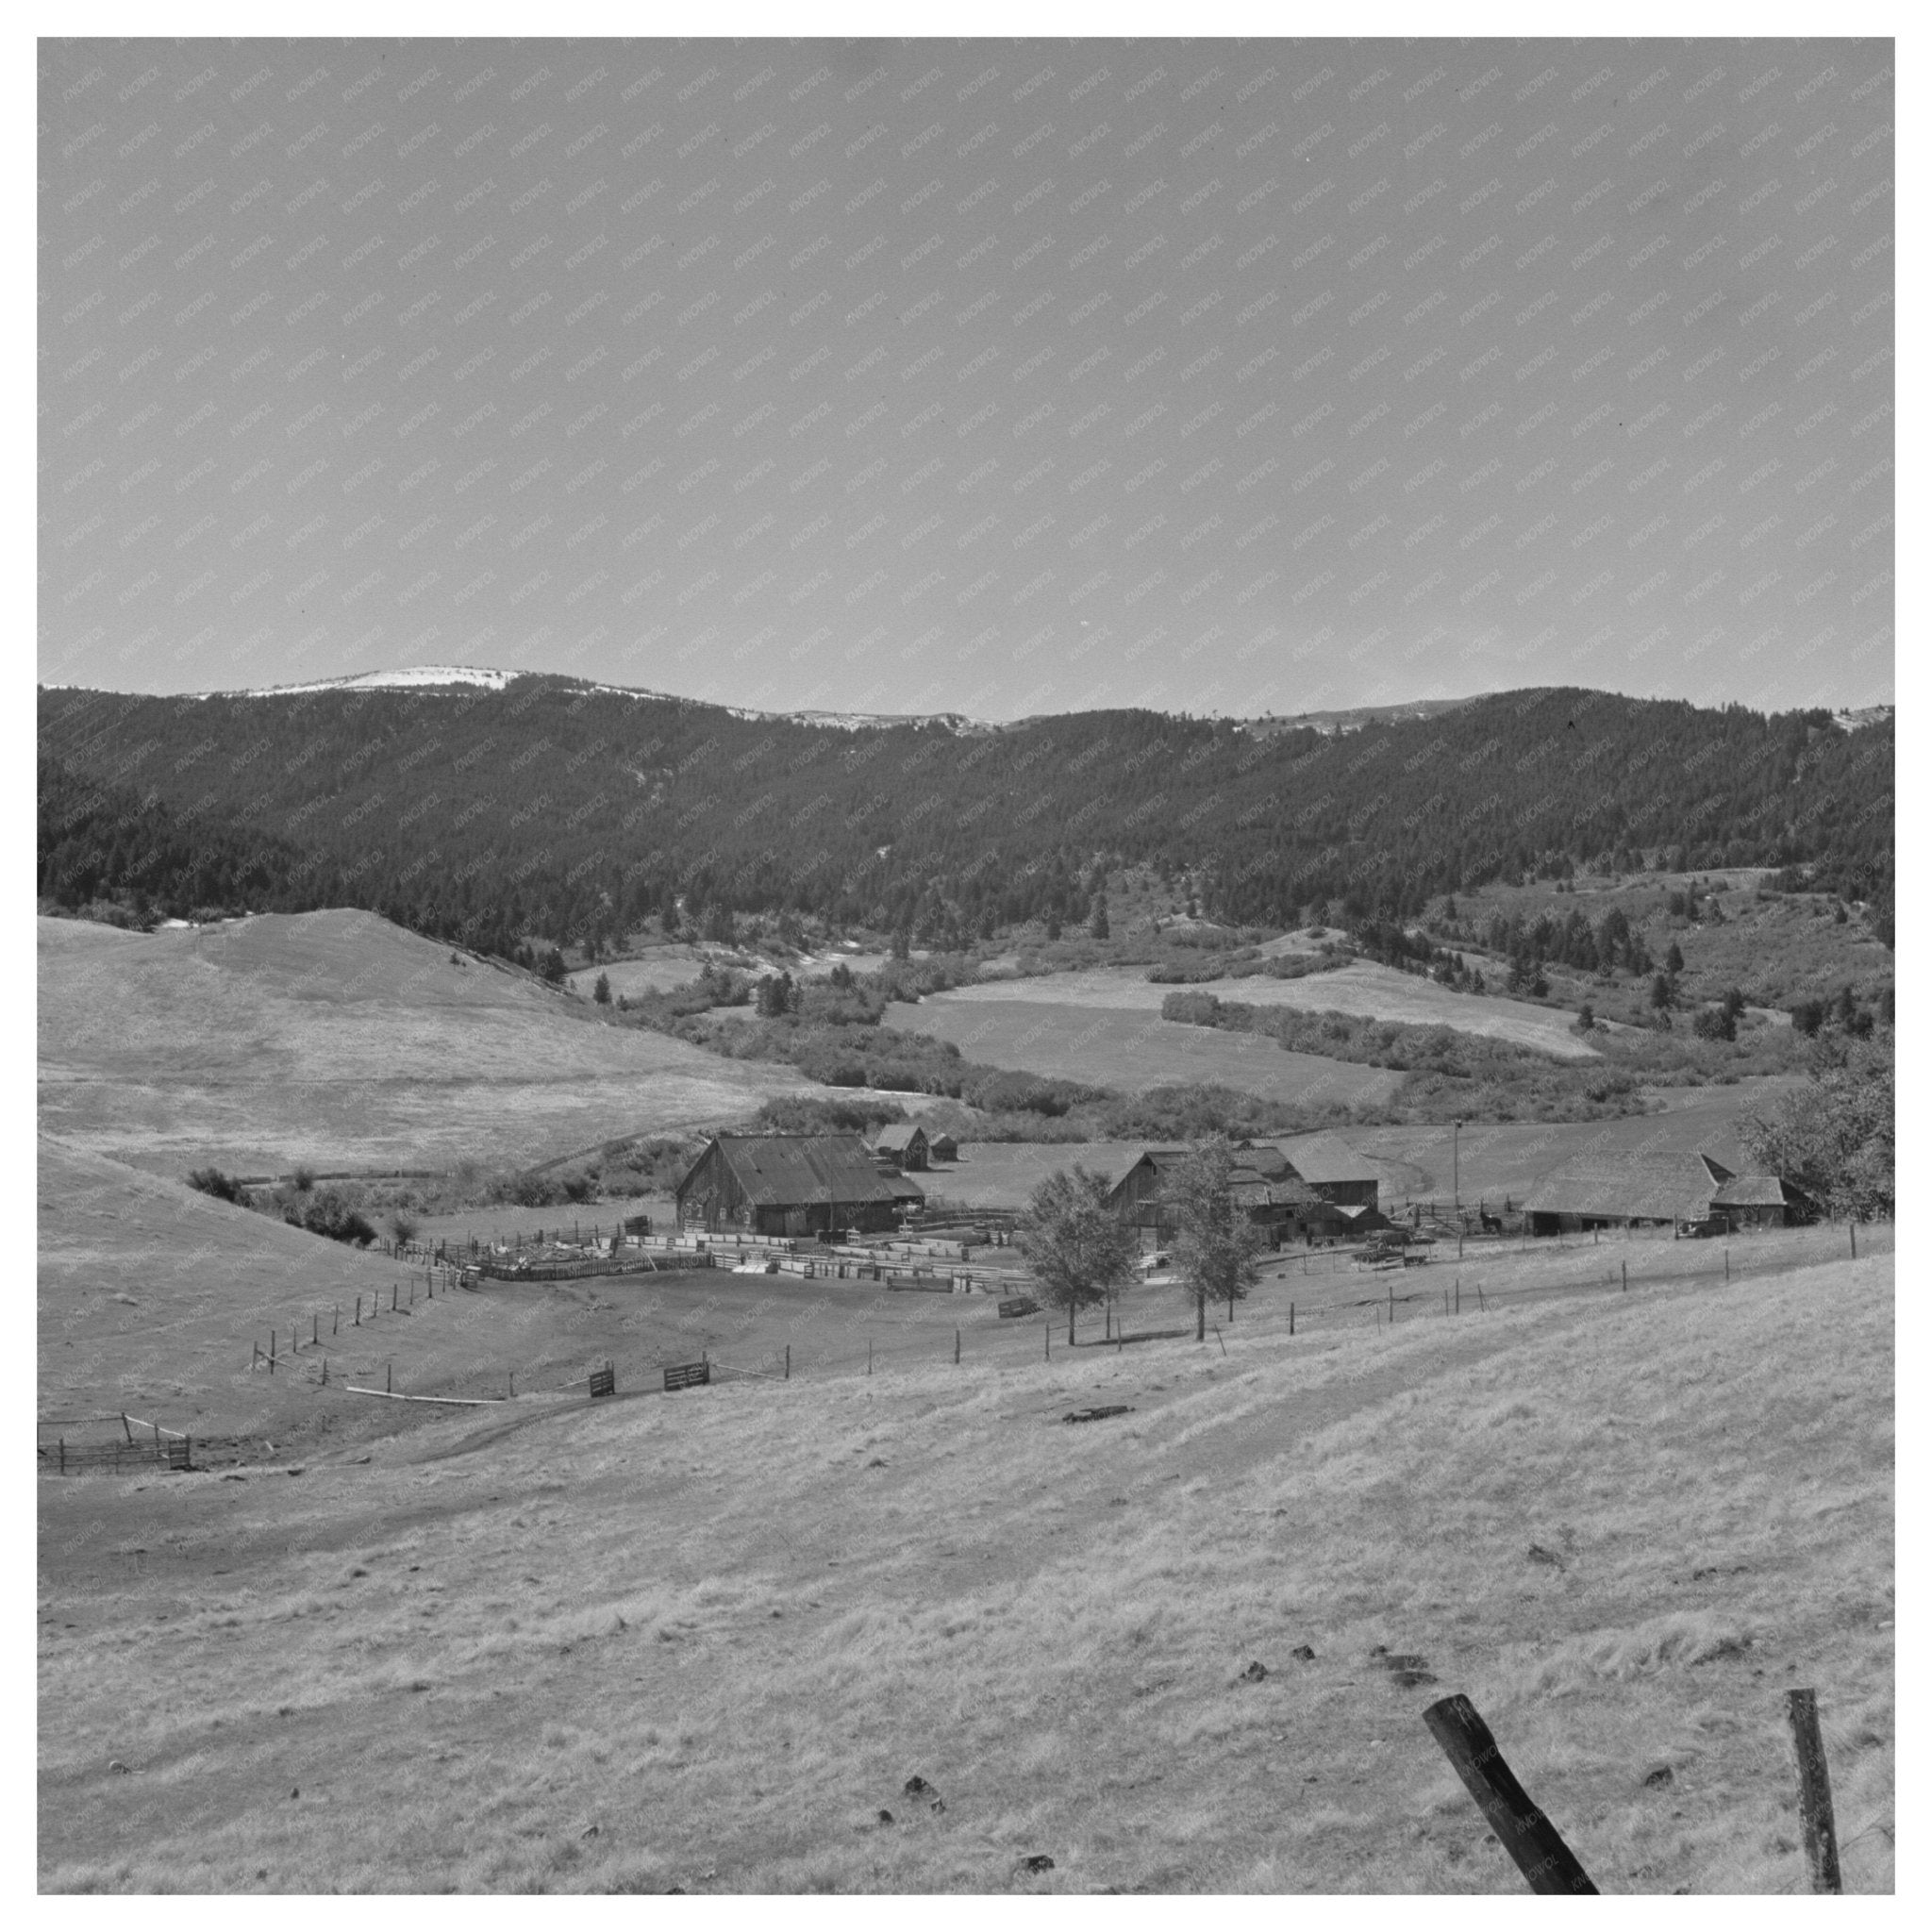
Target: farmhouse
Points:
(903, 1145)
(790, 1184)
(1626, 1190)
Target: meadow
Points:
(706, 1640)
(340, 1040)
(1132, 1048)
(1362, 988)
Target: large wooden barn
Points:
(1283, 1201)
(1626, 1190)
(791, 1185)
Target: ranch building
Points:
(903, 1144)
(1283, 1203)
(1763, 1200)
(1336, 1172)
(942, 1147)
(1627, 1191)
(791, 1185)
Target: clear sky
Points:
(989, 377)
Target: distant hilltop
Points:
(452, 678)
(448, 677)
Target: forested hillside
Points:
(556, 812)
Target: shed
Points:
(1763, 1200)
(903, 1144)
(941, 1147)
(1625, 1190)
(788, 1184)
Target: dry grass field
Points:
(340, 1040)
(1363, 988)
(1131, 1050)
(704, 1640)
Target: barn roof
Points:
(1640, 1187)
(788, 1170)
(1288, 1192)
(896, 1137)
(1329, 1160)
(1756, 1191)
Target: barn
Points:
(904, 1144)
(791, 1185)
(1626, 1190)
(941, 1147)
(1336, 1172)
(1281, 1203)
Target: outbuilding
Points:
(904, 1144)
(1763, 1200)
(1626, 1190)
(791, 1185)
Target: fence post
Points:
(389, 1376)
(1626, 1277)
(1523, 1831)
(788, 1361)
(1814, 1792)
(358, 1311)
(393, 1297)
(325, 1371)
(1290, 1318)
(314, 1329)
(336, 1327)
(271, 1351)
(512, 1381)
(1391, 1305)
(1046, 1328)
(956, 1348)
(125, 1429)
(1851, 1228)
(62, 1442)
(867, 1355)
(1482, 1306)
(1458, 1294)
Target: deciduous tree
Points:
(1219, 1243)
(1078, 1248)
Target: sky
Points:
(992, 376)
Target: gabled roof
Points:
(1271, 1163)
(898, 1136)
(788, 1170)
(1756, 1190)
(1642, 1187)
(1288, 1192)
(1329, 1160)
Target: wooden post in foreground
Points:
(1814, 1792)
(1523, 1831)
(788, 1361)
(1851, 1228)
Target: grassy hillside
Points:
(704, 1641)
(339, 1040)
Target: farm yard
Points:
(706, 1640)
(1361, 987)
